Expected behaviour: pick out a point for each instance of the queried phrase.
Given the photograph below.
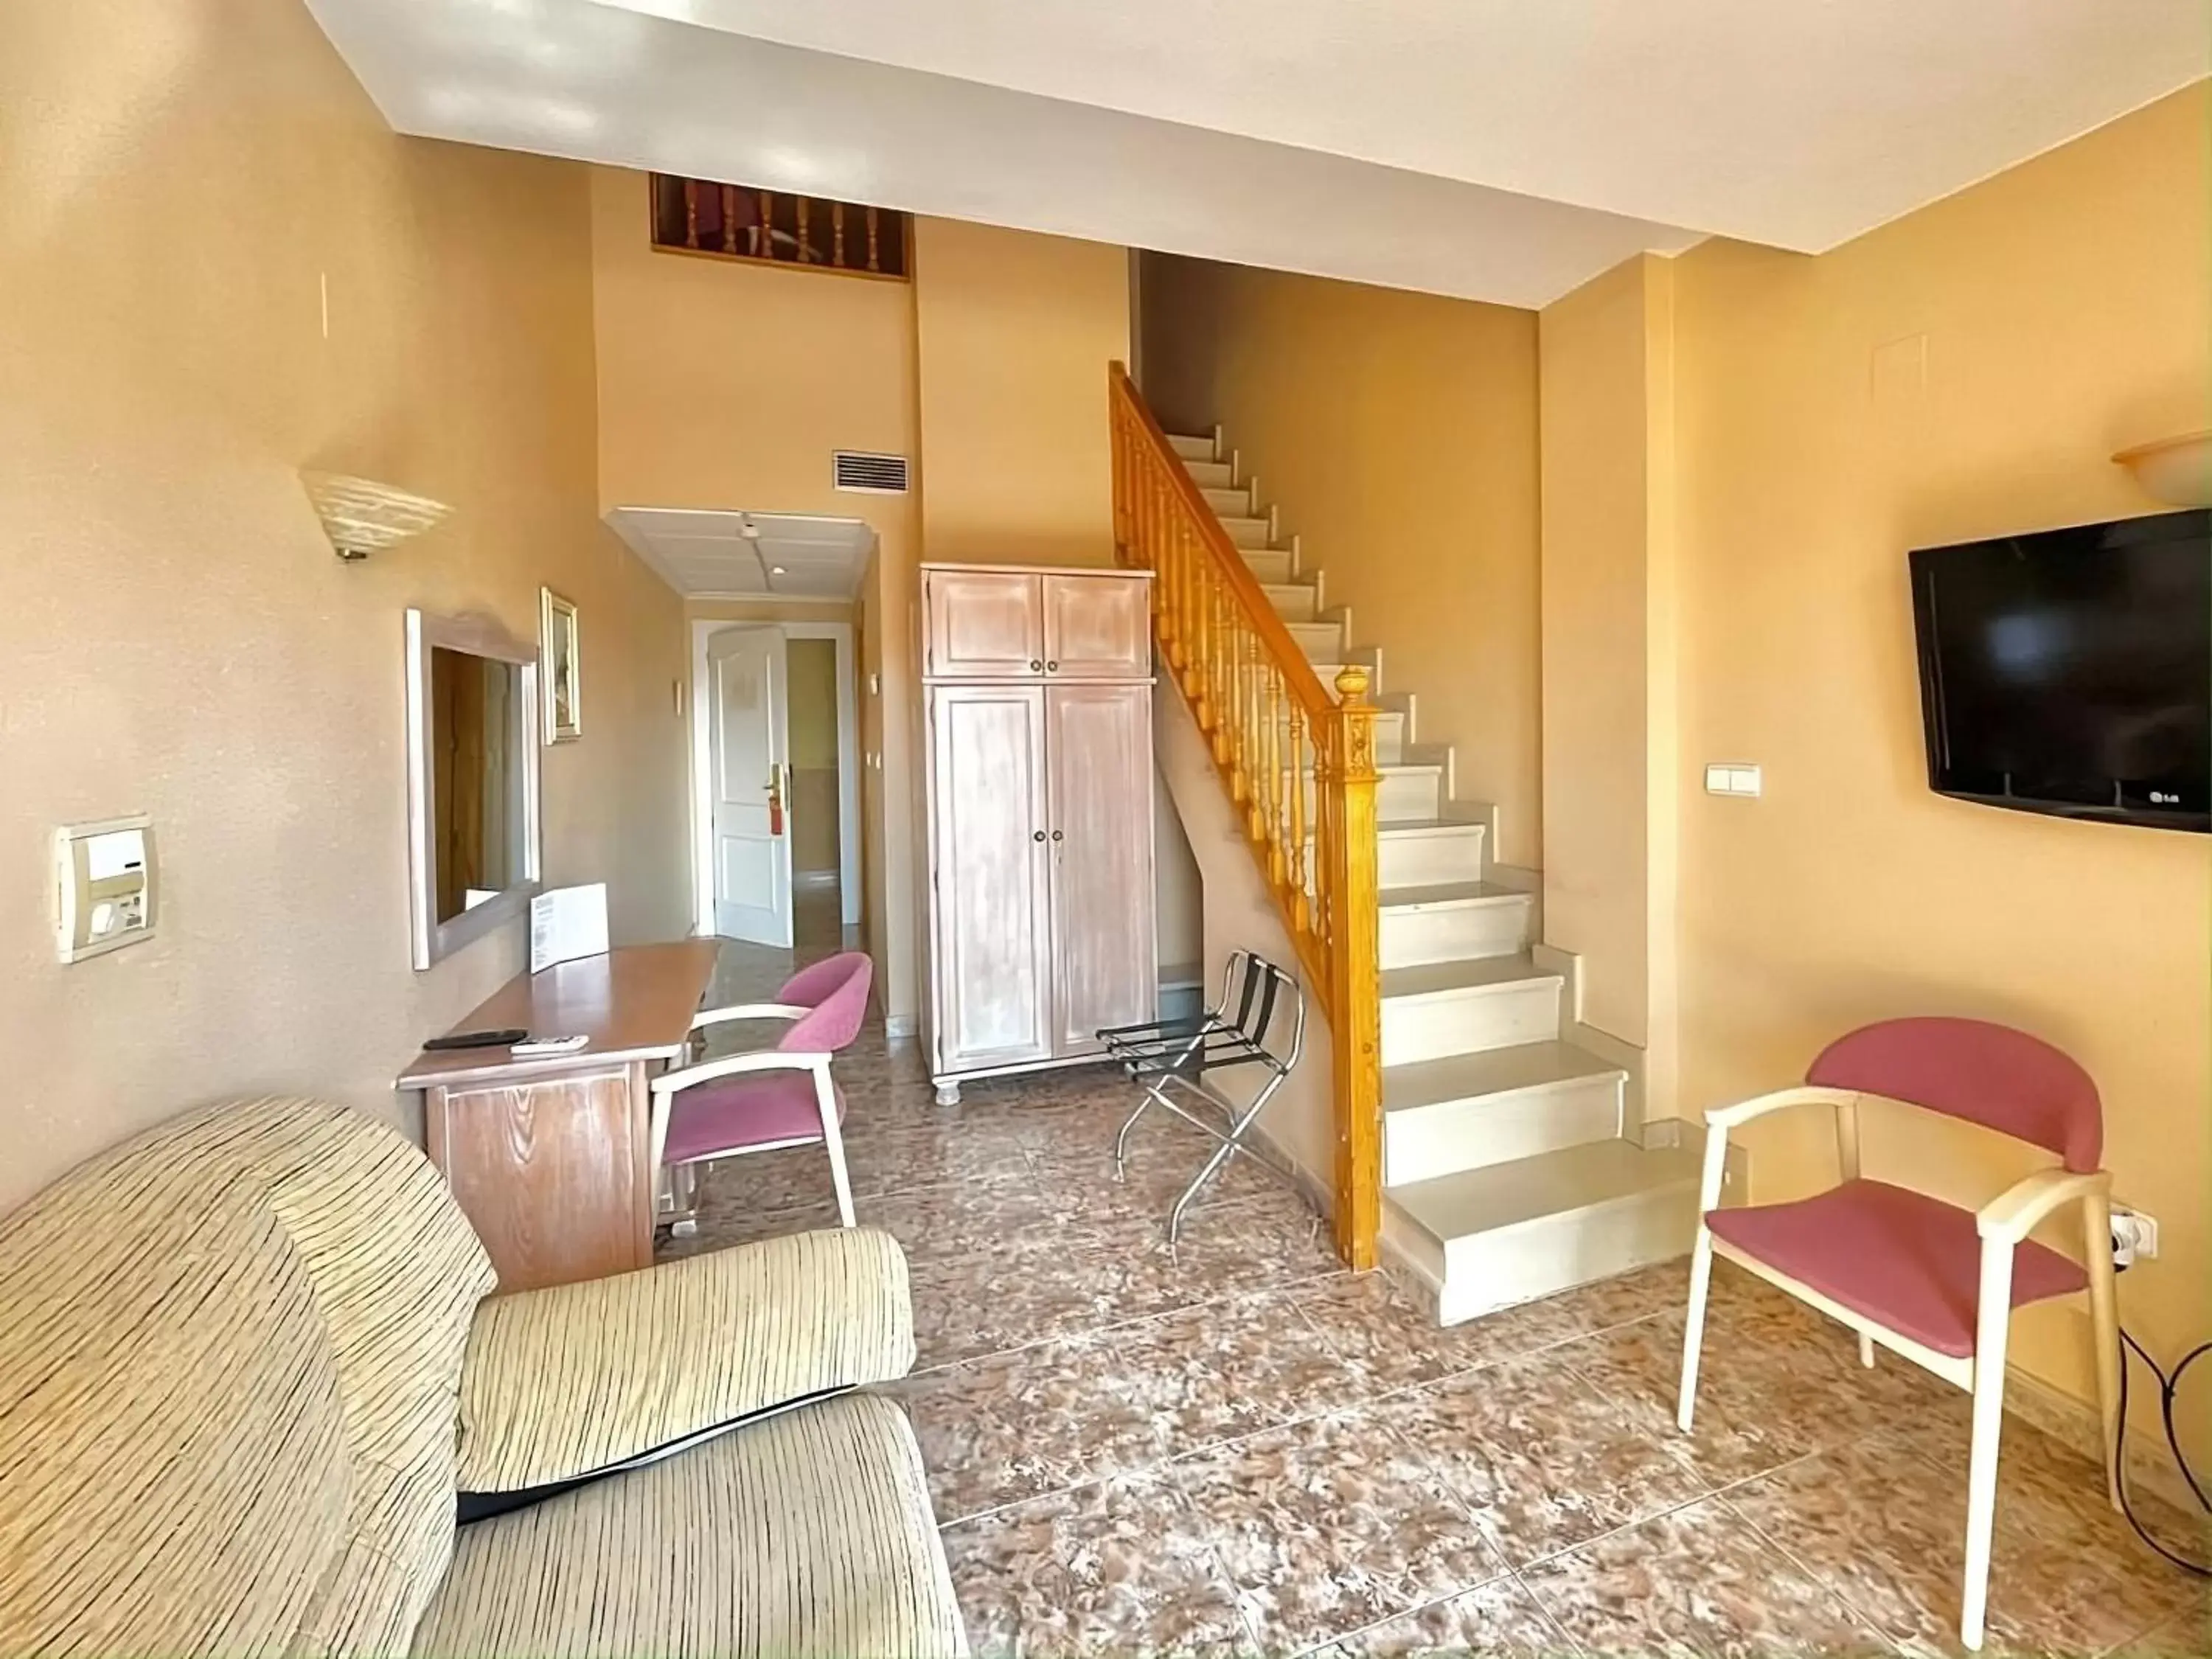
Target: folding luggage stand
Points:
(1162, 1053)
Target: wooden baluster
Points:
(729, 218)
(1255, 739)
(690, 213)
(874, 262)
(1355, 999)
(1218, 645)
(805, 254)
(837, 234)
(764, 234)
(1278, 863)
(1301, 906)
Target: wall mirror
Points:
(472, 809)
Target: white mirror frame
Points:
(477, 636)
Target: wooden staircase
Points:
(1504, 1165)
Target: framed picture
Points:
(556, 643)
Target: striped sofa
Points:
(249, 1365)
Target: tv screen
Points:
(2070, 672)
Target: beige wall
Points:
(2061, 310)
(1015, 332)
(727, 386)
(1609, 648)
(1397, 434)
(813, 690)
(184, 177)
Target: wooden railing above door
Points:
(1272, 724)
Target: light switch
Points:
(104, 877)
(1731, 778)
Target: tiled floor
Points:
(1247, 1449)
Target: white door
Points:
(748, 739)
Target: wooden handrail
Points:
(1271, 725)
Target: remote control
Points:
(498, 1039)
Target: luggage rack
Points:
(1178, 1053)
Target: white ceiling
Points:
(1500, 149)
(794, 556)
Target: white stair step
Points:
(1190, 448)
(1249, 531)
(1322, 641)
(1468, 1111)
(1226, 501)
(1448, 922)
(1425, 854)
(1210, 475)
(1294, 602)
(1462, 1008)
(1490, 1238)
(1271, 565)
(1404, 793)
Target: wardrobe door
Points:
(982, 624)
(1105, 953)
(990, 867)
(1097, 626)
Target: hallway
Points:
(1242, 1446)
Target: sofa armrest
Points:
(562, 1381)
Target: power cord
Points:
(2168, 1387)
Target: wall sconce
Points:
(2176, 471)
(361, 516)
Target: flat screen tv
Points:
(2070, 672)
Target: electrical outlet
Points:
(2135, 1237)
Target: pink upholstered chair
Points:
(1926, 1279)
(771, 1098)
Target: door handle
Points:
(774, 800)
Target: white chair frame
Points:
(2003, 1224)
(668, 1085)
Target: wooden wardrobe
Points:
(1037, 695)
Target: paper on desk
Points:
(567, 922)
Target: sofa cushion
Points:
(564, 1381)
(172, 1465)
(232, 1426)
(807, 1533)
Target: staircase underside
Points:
(1509, 1171)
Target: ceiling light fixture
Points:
(775, 570)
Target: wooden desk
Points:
(552, 1158)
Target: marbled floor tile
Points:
(1379, 1329)
(1009, 1426)
(1328, 1525)
(1499, 1617)
(1758, 1406)
(1695, 1581)
(1118, 1566)
(2188, 1637)
(1885, 1530)
(1546, 1461)
(986, 1301)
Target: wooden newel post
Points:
(1355, 999)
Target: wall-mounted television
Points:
(2069, 671)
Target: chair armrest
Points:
(707, 1017)
(2012, 1214)
(760, 1059)
(558, 1383)
(1729, 1117)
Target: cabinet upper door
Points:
(1097, 626)
(982, 624)
(990, 863)
(1105, 946)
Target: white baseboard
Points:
(902, 1028)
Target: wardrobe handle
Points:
(1036, 665)
(1038, 836)
(1055, 835)
(1052, 668)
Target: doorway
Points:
(775, 781)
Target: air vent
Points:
(871, 475)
